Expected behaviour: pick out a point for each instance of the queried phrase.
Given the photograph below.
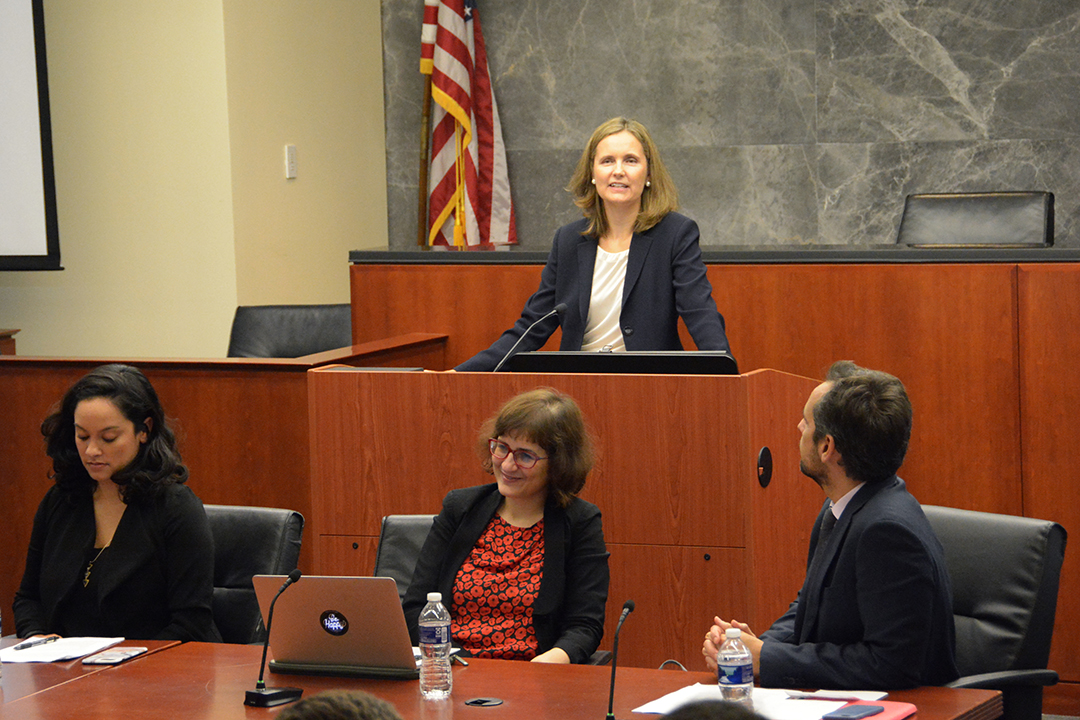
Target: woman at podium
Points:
(120, 545)
(624, 274)
(521, 563)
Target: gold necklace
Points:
(90, 566)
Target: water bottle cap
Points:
(729, 633)
(434, 597)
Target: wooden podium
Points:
(691, 531)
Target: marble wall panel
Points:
(862, 186)
(539, 180)
(894, 70)
(758, 195)
(691, 69)
(784, 122)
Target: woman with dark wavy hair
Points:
(521, 562)
(120, 546)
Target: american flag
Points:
(469, 201)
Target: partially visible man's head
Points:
(340, 705)
(712, 710)
(868, 414)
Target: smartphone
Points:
(113, 656)
(853, 712)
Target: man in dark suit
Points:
(875, 609)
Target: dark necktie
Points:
(827, 524)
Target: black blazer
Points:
(569, 609)
(156, 582)
(877, 614)
(665, 279)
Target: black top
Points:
(155, 582)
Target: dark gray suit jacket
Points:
(665, 279)
(878, 613)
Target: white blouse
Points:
(605, 305)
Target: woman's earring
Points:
(648, 183)
(594, 181)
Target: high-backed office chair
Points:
(992, 219)
(289, 331)
(1005, 572)
(249, 541)
(400, 541)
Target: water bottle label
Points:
(735, 674)
(434, 634)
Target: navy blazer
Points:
(877, 613)
(665, 279)
(156, 583)
(568, 612)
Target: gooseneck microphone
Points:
(627, 608)
(263, 696)
(557, 310)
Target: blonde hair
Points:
(657, 200)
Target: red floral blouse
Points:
(495, 591)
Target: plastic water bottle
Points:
(735, 670)
(436, 680)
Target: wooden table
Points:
(24, 679)
(7, 342)
(203, 680)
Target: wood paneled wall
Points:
(948, 331)
(242, 433)
(242, 426)
(676, 480)
(987, 351)
(1049, 303)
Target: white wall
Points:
(169, 215)
(307, 74)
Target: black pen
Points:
(35, 643)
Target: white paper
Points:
(63, 649)
(868, 695)
(770, 703)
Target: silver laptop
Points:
(342, 626)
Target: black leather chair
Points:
(400, 541)
(249, 541)
(289, 331)
(991, 219)
(1005, 572)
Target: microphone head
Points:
(628, 606)
(560, 309)
(294, 575)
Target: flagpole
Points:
(425, 140)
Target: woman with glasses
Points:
(521, 563)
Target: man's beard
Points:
(815, 474)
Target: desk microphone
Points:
(627, 608)
(263, 696)
(557, 310)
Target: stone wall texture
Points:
(784, 123)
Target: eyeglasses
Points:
(522, 458)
